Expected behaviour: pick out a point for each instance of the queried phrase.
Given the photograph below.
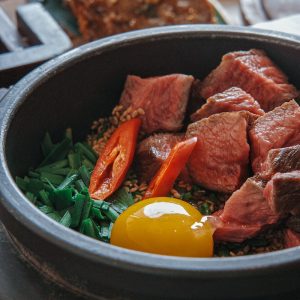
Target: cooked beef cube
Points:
(163, 99)
(255, 73)
(220, 159)
(276, 129)
(195, 100)
(281, 160)
(153, 151)
(245, 213)
(291, 239)
(235, 232)
(233, 99)
(293, 223)
(283, 192)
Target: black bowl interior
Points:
(84, 84)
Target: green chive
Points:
(31, 197)
(67, 182)
(85, 175)
(47, 144)
(56, 165)
(44, 197)
(61, 198)
(21, 183)
(111, 214)
(86, 208)
(79, 184)
(34, 174)
(84, 150)
(35, 185)
(54, 179)
(77, 209)
(46, 209)
(58, 152)
(66, 220)
(88, 164)
(97, 215)
(74, 160)
(55, 216)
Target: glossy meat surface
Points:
(163, 99)
(220, 159)
(232, 99)
(275, 129)
(255, 73)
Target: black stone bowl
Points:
(75, 89)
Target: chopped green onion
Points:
(54, 179)
(46, 209)
(61, 198)
(56, 165)
(86, 208)
(58, 152)
(204, 209)
(87, 227)
(74, 160)
(44, 197)
(68, 181)
(55, 216)
(31, 197)
(77, 209)
(84, 150)
(35, 185)
(47, 144)
(79, 184)
(69, 134)
(66, 220)
(85, 175)
(21, 183)
(96, 214)
(111, 214)
(34, 174)
(88, 164)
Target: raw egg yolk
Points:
(165, 226)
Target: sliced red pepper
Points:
(115, 160)
(164, 179)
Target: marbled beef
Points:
(233, 99)
(245, 213)
(153, 151)
(283, 193)
(255, 73)
(220, 159)
(281, 160)
(277, 128)
(163, 99)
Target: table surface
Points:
(18, 279)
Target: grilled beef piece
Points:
(245, 213)
(281, 160)
(232, 231)
(283, 193)
(98, 18)
(255, 73)
(291, 239)
(233, 99)
(220, 159)
(153, 151)
(278, 128)
(163, 99)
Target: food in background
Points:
(98, 18)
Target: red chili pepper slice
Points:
(164, 179)
(115, 160)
